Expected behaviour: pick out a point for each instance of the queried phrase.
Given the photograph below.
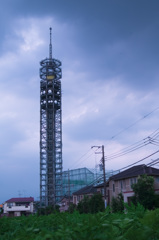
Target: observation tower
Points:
(50, 130)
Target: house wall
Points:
(115, 187)
(64, 204)
(78, 198)
(121, 186)
(156, 185)
(124, 186)
(101, 191)
(17, 210)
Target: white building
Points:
(19, 206)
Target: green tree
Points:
(72, 208)
(48, 210)
(144, 192)
(117, 204)
(91, 205)
(83, 206)
(96, 203)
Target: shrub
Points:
(48, 210)
(117, 204)
(83, 205)
(144, 192)
(96, 203)
(91, 205)
(72, 208)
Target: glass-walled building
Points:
(75, 179)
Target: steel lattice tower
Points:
(50, 130)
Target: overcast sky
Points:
(110, 85)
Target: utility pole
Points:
(104, 175)
(68, 187)
(103, 162)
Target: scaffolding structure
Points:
(75, 179)
(50, 130)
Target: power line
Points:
(120, 154)
(154, 162)
(130, 165)
(79, 160)
(133, 124)
(151, 139)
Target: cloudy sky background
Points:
(110, 86)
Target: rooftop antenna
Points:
(50, 45)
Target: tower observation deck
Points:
(50, 130)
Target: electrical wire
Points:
(151, 139)
(130, 165)
(80, 160)
(154, 162)
(133, 124)
(108, 158)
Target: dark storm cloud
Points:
(118, 37)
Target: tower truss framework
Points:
(50, 130)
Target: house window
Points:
(133, 181)
(18, 204)
(74, 199)
(157, 179)
(9, 205)
(113, 187)
(121, 184)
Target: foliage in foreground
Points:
(136, 223)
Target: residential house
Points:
(100, 189)
(86, 191)
(119, 183)
(65, 202)
(122, 182)
(19, 206)
(1, 208)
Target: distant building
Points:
(100, 189)
(75, 179)
(88, 191)
(19, 206)
(65, 203)
(119, 183)
(1, 208)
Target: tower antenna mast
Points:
(50, 130)
(50, 45)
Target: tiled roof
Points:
(102, 184)
(66, 198)
(86, 190)
(136, 171)
(26, 199)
